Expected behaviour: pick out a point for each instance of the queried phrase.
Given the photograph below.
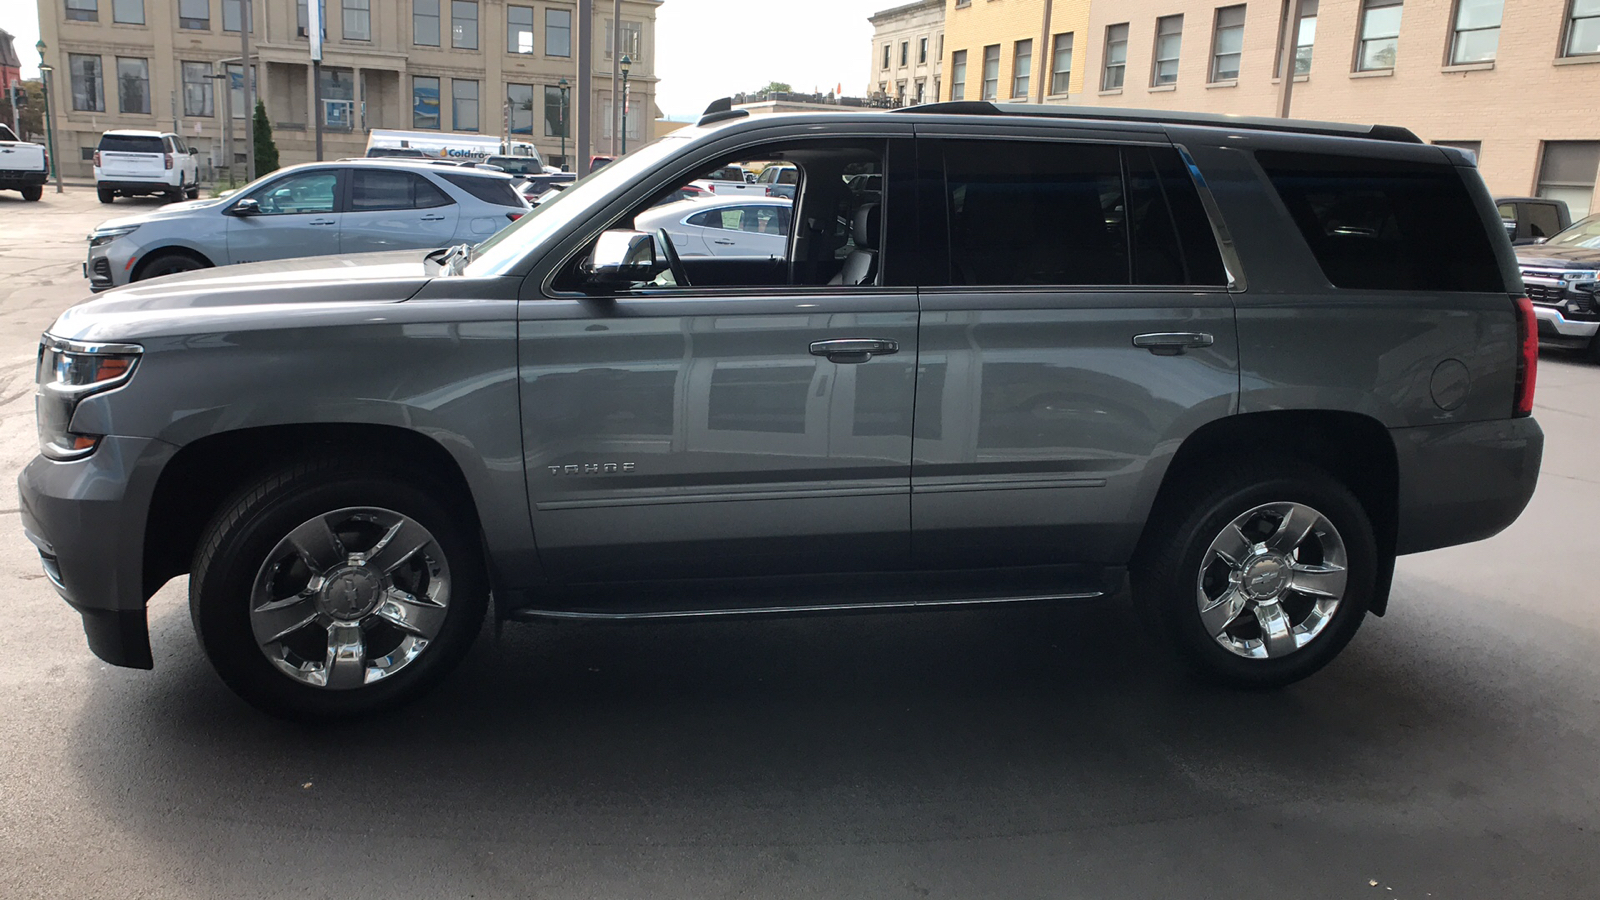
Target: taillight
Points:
(711, 189)
(769, 192)
(97, 157)
(168, 158)
(1527, 358)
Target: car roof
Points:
(135, 132)
(402, 162)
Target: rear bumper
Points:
(11, 179)
(1463, 483)
(1552, 323)
(87, 519)
(139, 186)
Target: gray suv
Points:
(1009, 354)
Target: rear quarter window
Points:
(132, 143)
(489, 190)
(1377, 224)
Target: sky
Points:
(705, 49)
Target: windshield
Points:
(499, 254)
(1585, 234)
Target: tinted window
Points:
(6, 134)
(1062, 214)
(1543, 220)
(131, 143)
(377, 189)
(1386, 225)
(489, 190)
(517, 165)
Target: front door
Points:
(298, 216)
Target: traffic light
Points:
(19, 97)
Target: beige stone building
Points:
(1516, 81)
(485, 66)
(907, 51)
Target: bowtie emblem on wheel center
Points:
(1264, 578)
(351, 593)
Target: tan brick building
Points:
(1517, 81)
(449, 65)
(1015, 51)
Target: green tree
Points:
(266, 149)
(776, 87)
(32, 118)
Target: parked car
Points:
(596, 163)
(24, 166)
(724, 226)
(131, 163)
(779, 180)
(519, 166)
(1562, 276)
(730, 180)
(316, 209)
(535, 185)
(1529, 220)
(1244, 363)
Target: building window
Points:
(236, 88)
(464, 24)
(922, 50)
(1477, 33)
(1021, 69)
(922, 91)
(1116, 57)
(463, 104)
(127, 12)
(231, 15)
(900, 93)
(632, 41)
(941, 46)
(557, 117)
(358, 20)
(886, 56)
(1169, 43)
(83, 10)
(302, 15)
(425, 23)
(1061, 63)
(194, 15)
(424, 102)
(958, 75)
(991, 72)
(519, 29)
(558, 32)
(1583, 28)
(87, 90)
(197, 91)
(1304, 37)
(1227, 44)
(519, 98)
(905, 52)
(1568, 173)
(1380, 35)
(339, 99)
(133, 84)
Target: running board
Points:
(528, 615)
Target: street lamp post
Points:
(225, 82)
(626, 64)
(49, 121)
(564, 86)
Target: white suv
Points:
(135, 163)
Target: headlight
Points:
(102, 236)
(67, 372)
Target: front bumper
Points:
(110, 265)
(87, 519)
(1554, 323)
(1463, 483)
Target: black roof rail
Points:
(1155, 117)
(721, 110)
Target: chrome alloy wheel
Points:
(1272, 580)
(350, 597)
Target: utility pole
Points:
(1046, 54)
(585, 92)
(314, 23)
(45, 70)
(1287, 41)
(616, 69)
(246, 22)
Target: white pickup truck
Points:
(730, 180)
(24, 167)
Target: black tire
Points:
(106, 195)
(192, 193)
(174, 194)
(239, 540)
(1168, 578)
(33, 192)
(168, 264)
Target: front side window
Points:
(1116, 57)
(519, 29)
(358, 20)
(1045, 214)
(1227, 44)
(557, 117)
(519, 97)
(1477, 32)
(958, 75)
(991, 71)
(194, 15)
(1380, 35)
(425, 23)
(464, 24)
(127, 12)
(133, 85)
(1061, 64)
(464, 104)
(83, 10)
(1583, 28)
(302, 193)
(1021, 69)
(558, 32)
(424, 102)
(372, 190)
(1169, 43)
(197, 92)
(87, 83)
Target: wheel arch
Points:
(170, 250)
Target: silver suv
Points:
(1005, 354)
(316, 209)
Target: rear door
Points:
(132, 157)
(391, 209)
(1082, 329)
(300, 213)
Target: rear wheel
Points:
(174, 193)
(1258, 574)
(33, 192)
(106, 195)
(193, 193)
(328, 590)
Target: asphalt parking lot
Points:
(1451, 752)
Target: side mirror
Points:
(621, 258)
(245, 207)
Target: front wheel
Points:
(1258, 575)
(330, 591)
(193, 193)
(170, 264)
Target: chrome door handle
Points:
(433, 218)
(1172, 343)
(321, 222)
(853, 350)
(724, 243)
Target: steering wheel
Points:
(679, 276)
